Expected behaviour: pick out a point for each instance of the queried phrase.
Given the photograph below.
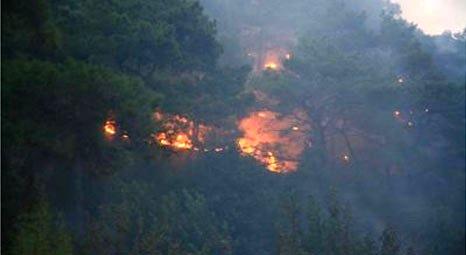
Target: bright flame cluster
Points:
(271, 65)
(273, 140)
(273, 59)
(179, 141)
(179, 133)
(110, 128)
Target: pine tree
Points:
(333, 226)
(315, 232)
(290, 236)
(390, 242)
(39, 234)
(410, 251)
(367, 246)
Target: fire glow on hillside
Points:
(273, 59)
(179, 133)
(110, 129)
(275, 141)
(270, 58)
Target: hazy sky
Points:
(435, 16)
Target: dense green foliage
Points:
(39, 233)
(172, 224)
(69, 66)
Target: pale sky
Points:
(435, 16)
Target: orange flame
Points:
(273, 58)
(110, 128)
(271, 65)
(179, 133)
(274, 141)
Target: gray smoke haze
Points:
(248, 29)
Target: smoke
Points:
(435, 17)
(396, 186)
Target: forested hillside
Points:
(230, 127)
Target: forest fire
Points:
(179, 133)
(110, 129)
(271, 65)
(273, 140)
(273, 58)
(179, 141)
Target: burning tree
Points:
(275, 141)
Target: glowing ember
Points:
(267, 138)
(110, 128)
(295, 128)
(262, 114)
(345, 158)
(400, 79)
(125, 137)
(288, 56)
(396, 113)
